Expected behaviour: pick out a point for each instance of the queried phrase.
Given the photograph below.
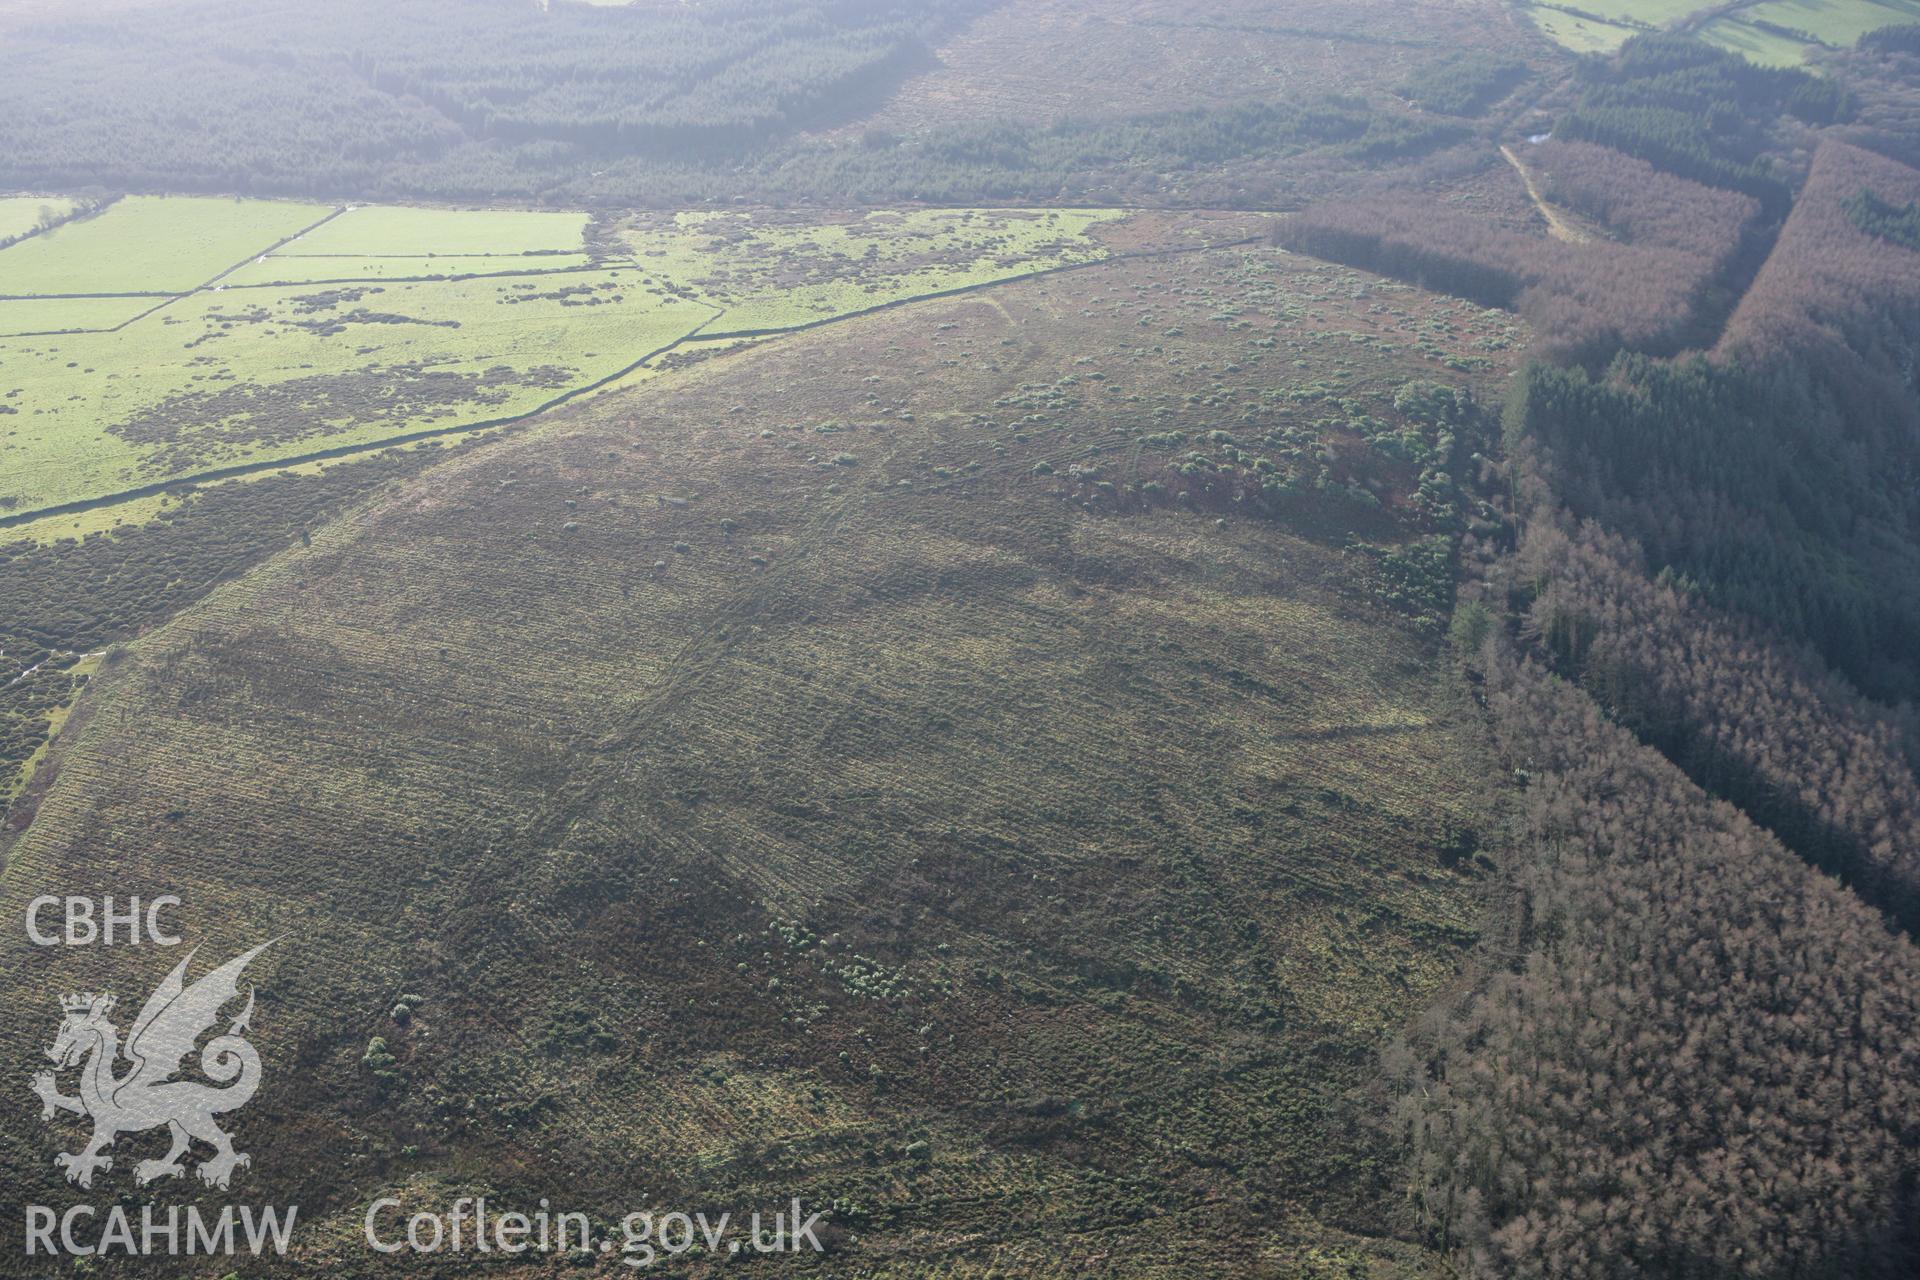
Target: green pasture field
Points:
(230, 375)
(778, 274)
(296, 269)
(1601, 26)
(1834, 22)
(1765, 48)
(1639, 13)
(379, 322)
(21, 214)
(59, 315)
(405, 231)
(149, 244)
(1581, 35)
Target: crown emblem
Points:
(86, 1003)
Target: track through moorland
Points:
(1559, 226)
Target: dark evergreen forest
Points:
(353, 95)
(640, 105)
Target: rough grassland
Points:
(149, 244)
(770, 272)
(1646, 13)
(772, 786)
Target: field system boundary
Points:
(450, 278)
(696, 334)
(166, 299)
(362, 257)
(78, 213)
(91, 297)
(341, 451)
(1688, 24)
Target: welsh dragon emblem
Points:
(147, 1096)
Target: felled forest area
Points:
(63, 602)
